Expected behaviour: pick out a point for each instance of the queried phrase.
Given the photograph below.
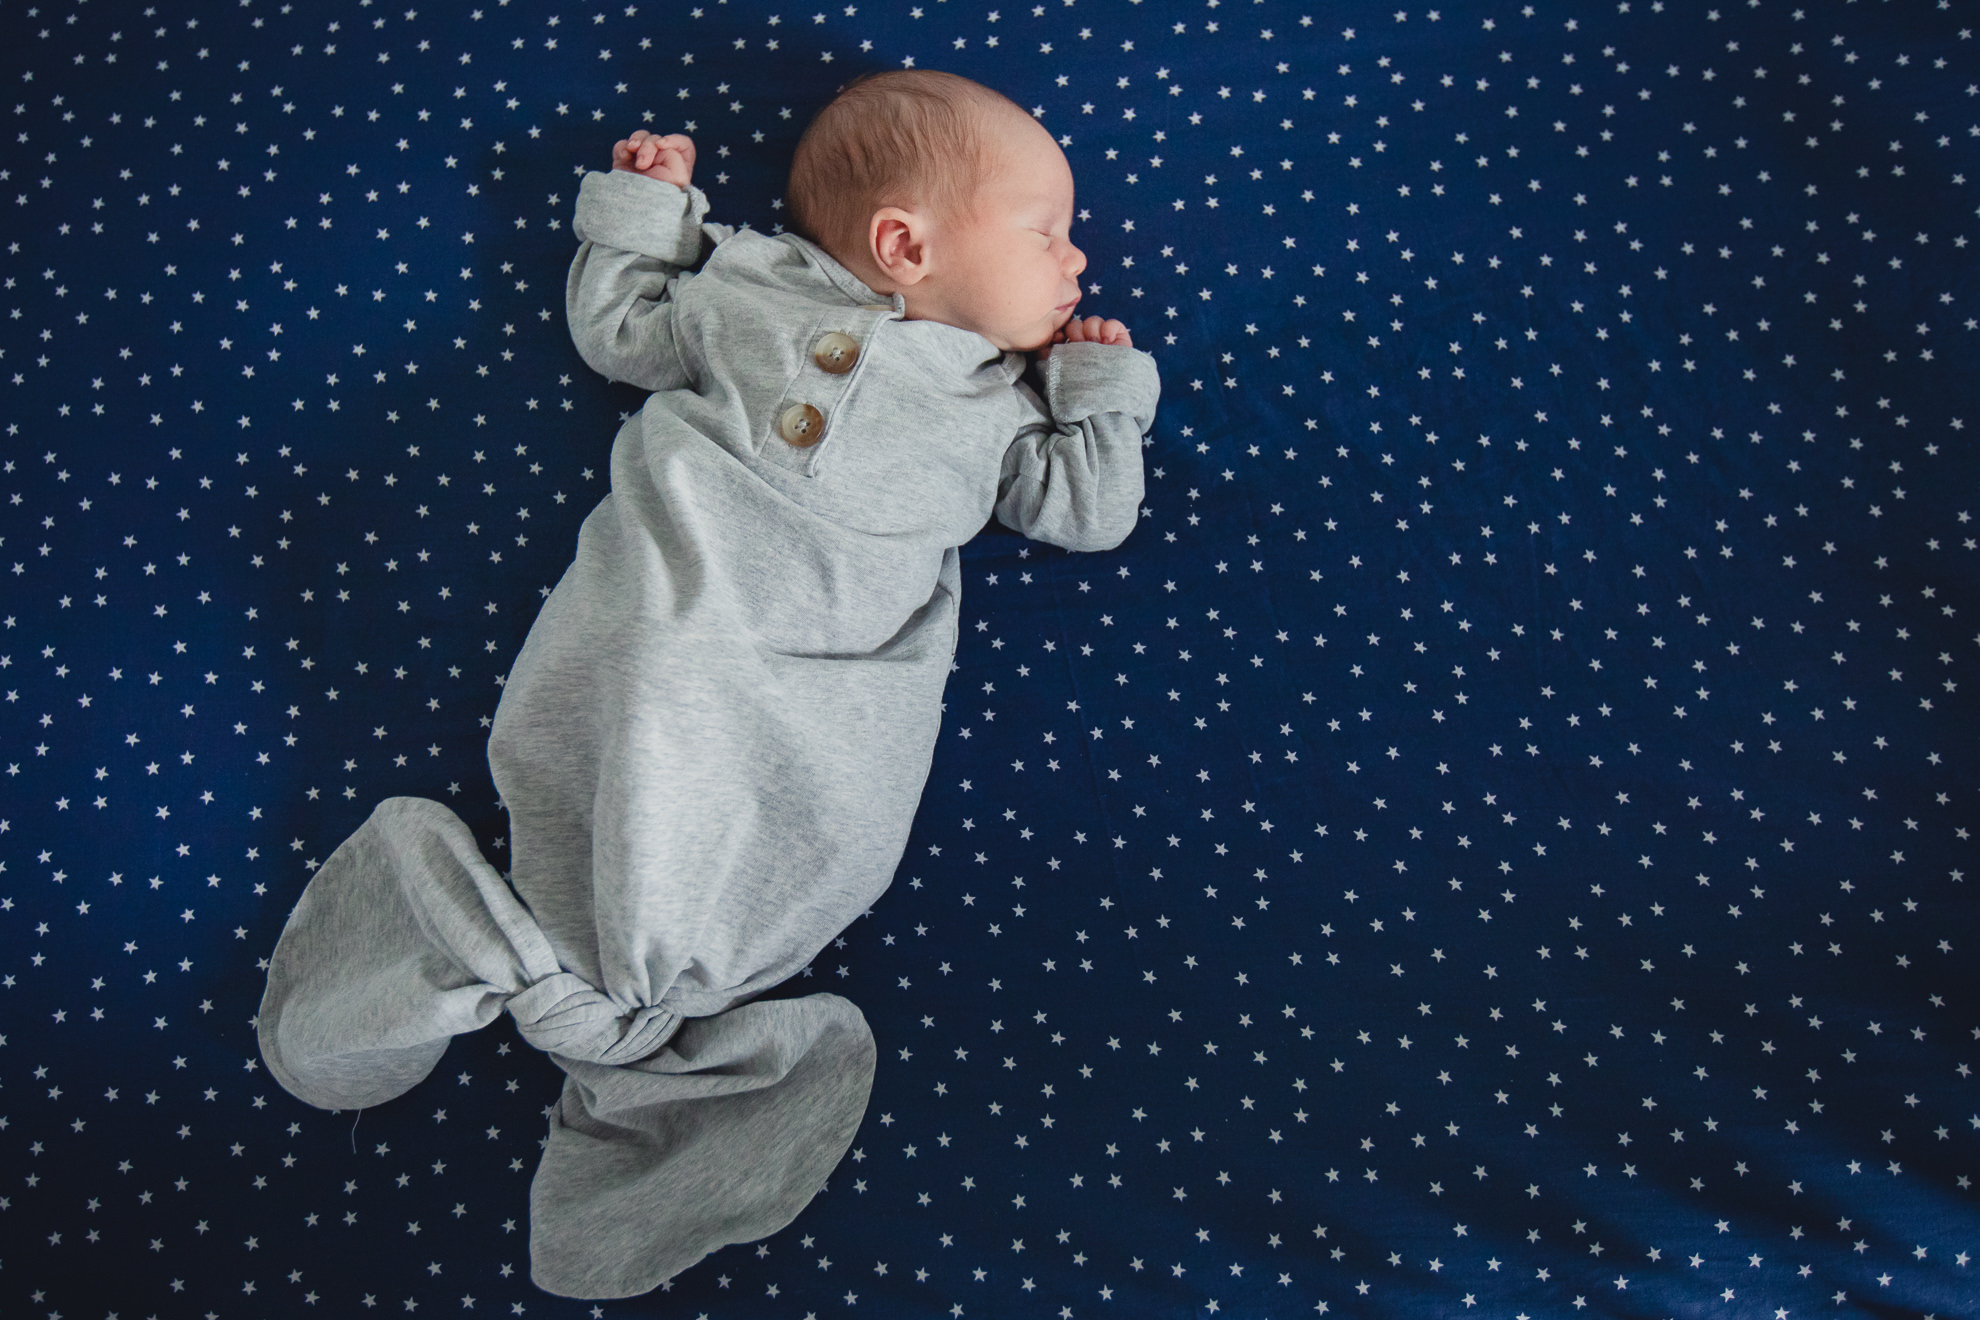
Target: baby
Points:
(714, 739)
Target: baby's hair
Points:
(904, 138)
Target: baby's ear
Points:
(898, 245)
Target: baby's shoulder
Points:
(773, 261)
(747, 294)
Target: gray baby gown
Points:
(713, 741)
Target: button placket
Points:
(801, 425)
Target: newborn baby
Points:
(713, 742)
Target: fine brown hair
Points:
(907, 138)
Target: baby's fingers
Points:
(625, 153)
(653, 151)
(1096, 330)
(642, 148)
(1088, 329)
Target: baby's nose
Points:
(1075, 260)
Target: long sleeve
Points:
(1073, 476)
(638, 238)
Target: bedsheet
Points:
(1497, 840)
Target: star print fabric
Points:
(1494, 840)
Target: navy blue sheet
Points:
(1497, 840)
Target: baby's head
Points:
(938, 188)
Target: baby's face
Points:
(1005, 267)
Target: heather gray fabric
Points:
(671, 1138)
(713, 741)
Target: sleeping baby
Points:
(714, 739)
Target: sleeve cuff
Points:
(620, 209)
(1081, 380)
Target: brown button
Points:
(801, 425)
(836, 353)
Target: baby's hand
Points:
(1093, 330)
(670, 158)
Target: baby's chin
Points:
(1045, 337)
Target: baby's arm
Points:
(1073, 476)
(640, 229)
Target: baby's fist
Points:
(670, 158)
(1093, 330)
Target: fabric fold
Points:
(673, 1137)
(563, 1014)
(761, 1103)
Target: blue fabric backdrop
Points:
(1496, 841)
